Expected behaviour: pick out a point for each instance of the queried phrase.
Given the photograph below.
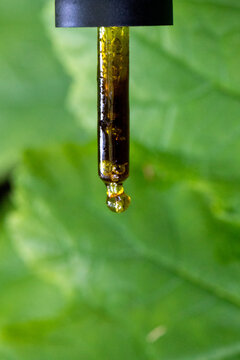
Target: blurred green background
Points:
(162, 281)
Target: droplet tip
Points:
(117, 200)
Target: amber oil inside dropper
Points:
(113, 113)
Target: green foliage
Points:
(159, 266)
(33, 85)
(162, 280)
(184, 83)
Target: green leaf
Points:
(33, 85)
(162, 280)
(23, 299)
(162, 277)
(184, 82)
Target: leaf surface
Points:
(162, 280)
(33, 85)
(184, 82)
(164, 273)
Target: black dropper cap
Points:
(96, 13)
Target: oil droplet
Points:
(117, 200)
